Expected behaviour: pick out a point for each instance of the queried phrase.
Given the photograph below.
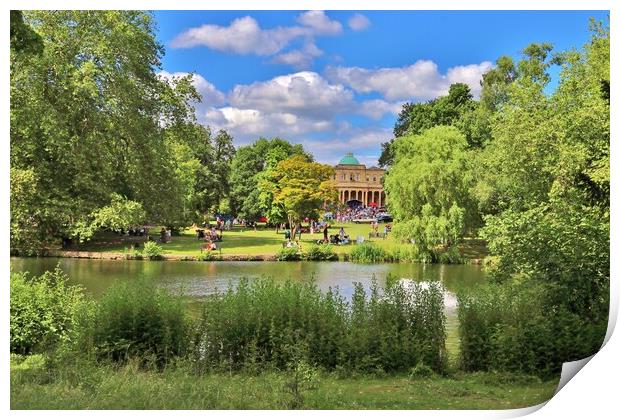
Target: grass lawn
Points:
(262, 241)
(106, 387)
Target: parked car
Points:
(385, 218)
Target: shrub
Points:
(152, 250)
(257, 324)
(135, 320)
(451, 256)
(323, 252)
(405, 253)
(42, 310)
(420, 371)
(288, 254)
(368, 252)
(207, 256)
(511, 328)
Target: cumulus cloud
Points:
(299, 59)
(251, 123)
(304, 93)
(377, 108)
(245, 36)
(359, 22)
(364, 142)
(242, 36)
(421, 80)
(320, 23)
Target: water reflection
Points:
(197, 279)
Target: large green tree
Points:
(301, 188)
(88, 119)
(457, 108)
(250, 195)
(428, 186)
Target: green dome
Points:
(348, 159)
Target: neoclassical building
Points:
(355, 182)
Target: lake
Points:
(196, 279)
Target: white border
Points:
(592, 393)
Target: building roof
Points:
(349, 159)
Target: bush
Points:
(152, 250)
(323, 252)
(135, 320)
(207, 256)
(451, 256)
(42, 311)
(256, 325)
(405, 253)
(368, 252)
(512, 328)
(420, 371)
(288, 254)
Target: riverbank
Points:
(241, 244)
(128, 387)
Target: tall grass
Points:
(134, 320)
(512, 328)
(267, 325)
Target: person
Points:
(385, 231)
(287, 234)
(325, 239)
(299, 230)
(162, 235)
(341, 233)
(169, 235)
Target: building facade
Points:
(358, 185)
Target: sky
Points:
(336, 80)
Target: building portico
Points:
(356, 183)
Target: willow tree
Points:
(301, 188)
(428, 186)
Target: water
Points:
(196, 279)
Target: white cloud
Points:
(251, 123)
(242, 36)
(320, 23)
(421, 80)
(359, 22)
(365, 143)
(299, 59)
(306, 94)
(245, 36)
(377, 108)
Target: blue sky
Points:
(335, 80)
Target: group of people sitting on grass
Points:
(136, 231)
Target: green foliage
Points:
(152, 250)
(509, 328)
(429, 186)
(42, 311)
(420, 371)
(300, 188)
(265, 324)
(368, 252)
(90, 117)
(288, 254)
(323, 252)
(134, 320)
(250, 193)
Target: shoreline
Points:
(102, 255)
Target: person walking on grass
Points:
(325, 238)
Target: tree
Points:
(249, 169)
(301, 188)
(428, 186)
(457, 108)
(88, 119)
